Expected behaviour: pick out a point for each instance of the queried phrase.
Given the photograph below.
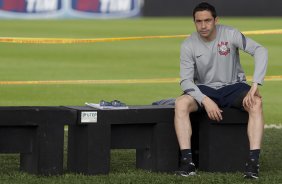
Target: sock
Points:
(186, 154)
(254, 154)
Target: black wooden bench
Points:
(220, 146)
(37, 133)
(217, 146)
(148, 129)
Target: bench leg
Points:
(89, 149)
(162, 155)
(46, 157)
(224, 146)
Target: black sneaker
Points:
(252, 169)
(187, 168)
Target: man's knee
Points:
(257, 107)
(185, 104)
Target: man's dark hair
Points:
(205, 6)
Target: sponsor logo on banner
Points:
(106, 8)
(30, 6)
(69, 8)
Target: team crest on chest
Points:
(223, 48)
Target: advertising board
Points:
(36, 9)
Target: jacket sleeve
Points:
(187, 72)
(259, 53)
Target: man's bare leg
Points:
(255, 124)
(255, 134)
(184, 105)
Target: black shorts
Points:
(227, 96)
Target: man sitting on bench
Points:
(212, 77)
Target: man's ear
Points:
(216, 20)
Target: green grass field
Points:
(143, 59)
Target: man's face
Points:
(205, 24)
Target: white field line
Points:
(273, 126)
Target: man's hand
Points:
(212, 109)
(249, 100)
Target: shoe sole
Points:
(250, 176)
(179, 173)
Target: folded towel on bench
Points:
(169, 101)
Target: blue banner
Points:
(69, 8)
(30, 9)
(105, 8)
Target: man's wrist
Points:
(254, 84)
(204, 100)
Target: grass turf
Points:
(122, 170)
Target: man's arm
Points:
(187, 70)
(259, 53)
(261, 59)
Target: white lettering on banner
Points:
(109, 6)
(41, 5)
